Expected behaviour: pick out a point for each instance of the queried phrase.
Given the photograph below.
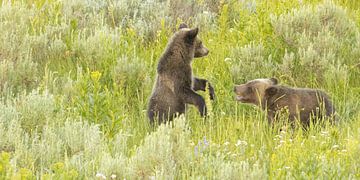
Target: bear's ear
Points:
(183, 25)
(274, 80)
(192, 33)
(272, 90)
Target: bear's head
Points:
(254, 91)
(189, 38)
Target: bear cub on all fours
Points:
(302, 103)
(175, 85)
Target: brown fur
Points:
(302, 103)
(175, 86)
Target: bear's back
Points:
(301, 102)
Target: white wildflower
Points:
(335, 146)
(113, 176)
(324, 133)
(240, 143)
(100, 176)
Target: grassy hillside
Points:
(75, 77)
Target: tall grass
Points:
(75, 77)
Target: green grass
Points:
(75, 78)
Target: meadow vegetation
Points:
(75, 77)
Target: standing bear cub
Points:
(302, 104)
(175, 85)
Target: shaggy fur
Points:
(175, 85)
(301, 103)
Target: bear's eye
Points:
(249, 89)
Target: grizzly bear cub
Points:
(175, 85)
(302, 104)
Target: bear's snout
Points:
(201, 52)
(238, 89)
(206, 51)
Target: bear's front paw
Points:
(211, 92)
(203, 113)
(202, 108)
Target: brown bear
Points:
(175, 85)
(301, 103)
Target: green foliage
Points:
(17, 76)
(318, 40)
(75, 77)
(5, 165)
(249, 58)
(163, 153)
(98, 103)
